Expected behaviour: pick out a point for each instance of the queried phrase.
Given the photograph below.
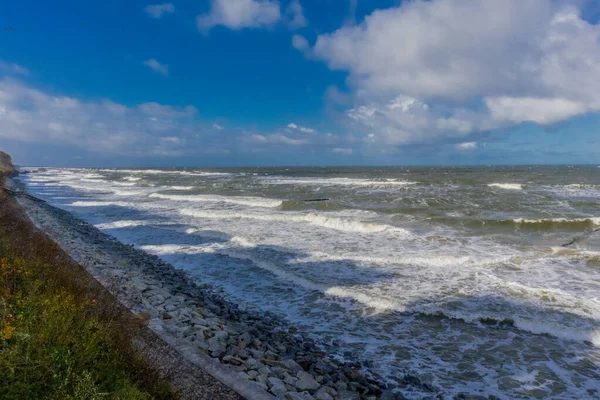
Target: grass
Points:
(62, 336)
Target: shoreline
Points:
(257, 354)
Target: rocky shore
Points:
(257, 354)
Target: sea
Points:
(480, 280)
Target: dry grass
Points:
(62, 335)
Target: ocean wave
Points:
(99, 204)
(335, 181)
(122, 224)
(586, 222)
(335, 223)
(167, 172)
(245, 201)
(507, 186)
(524, 223)
(132, 178)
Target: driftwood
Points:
(23, 194)
(309, 200)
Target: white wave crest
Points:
(335, 223)
(245, 201)
(335, 182)
(507, 186)
(99, 203)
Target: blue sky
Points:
(300, 82)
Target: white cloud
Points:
(405, 120)
(467, 146)
(417, 70)
(540, 110)
(295, 15)
(157, 67)
(149, 129)
(13, 68)
(301, 128)
(240, 14)
(30, 115)
(157, 10)
(300, 43)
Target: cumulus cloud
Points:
(406, 120)
(240, 14)
(295, 15)
(300, 43)
(157, 10)
(149, 129)
(427, 69)
(157, 67)
(30, 115)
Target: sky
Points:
(300, 82)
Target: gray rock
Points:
(221, 335)
(392, 395)
(322, 394)
(292, 365)
(346, 395)
(277, 386)
(306, 381)
(298, 396)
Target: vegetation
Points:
(62, 336)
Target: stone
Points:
(298, 396)
(292, 365)
(221, 335)
(346, 395)
(234, 361)
(276, 384)
(392, 395)
(306, 381)
(322, 394)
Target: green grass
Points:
(62, 336)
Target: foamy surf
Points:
(507, 186)
(334, 223)
(245, 201)
(451, 274)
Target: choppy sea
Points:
(474, 279)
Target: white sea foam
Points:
(167, 249)
(180, 187)
(122, 224)
(132, 178)
(99, 204)
(507, 186)
(335, 223)
(245, 201)
(167, 172)
(335, 181)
